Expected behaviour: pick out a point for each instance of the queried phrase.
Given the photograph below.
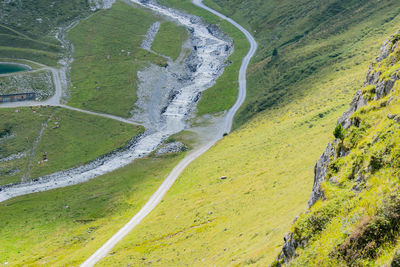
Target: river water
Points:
(165, 103)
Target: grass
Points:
(365, 231)
(269, 163)
(83, 138)
(63, 227)
(308, 36)
(107, 58)
(40, 81)
(44, 57)
(169, 40)
(23, 128)
(27, 28)
(241, 220)
(222, 95)
(70, 139)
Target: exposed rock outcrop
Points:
(172, 148)
(320, 172)
(382, 86)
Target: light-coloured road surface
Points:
(55, 100)
(169, 181)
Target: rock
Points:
(359, 179)
(289, 248)
(383, 88)
(150, 35)
(320, 172)
(358, 102)
(172, 148)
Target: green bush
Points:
(339, 132)
(371, 233)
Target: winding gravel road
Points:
(169, 181)
(55, 100)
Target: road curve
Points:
(55, 100)
(170, 180)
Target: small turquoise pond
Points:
(11, 67)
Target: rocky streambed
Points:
(167, 98)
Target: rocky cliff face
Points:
(382, 88)
(381, 78)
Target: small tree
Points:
(339, 132)
(275, 52)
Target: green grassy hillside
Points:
(357, 222)
(68, 137)
(168, 39)
(107, 57)
(269, 161)
(27, 28)
(63, 227)
(308, 36)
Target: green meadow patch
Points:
(68, 138)
(107, 57)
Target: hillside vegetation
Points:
(297, 95)
(63, 227)
(68, 138)
(107, 57)
(357, 223)
(28, 28)
(307, 36)
(169, 40)
(269, 160)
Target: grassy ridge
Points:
(168, 39)
(69, 138)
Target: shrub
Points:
(369, 92)
(339, 132)
(315, 222)
(6, 130)
(371, 233)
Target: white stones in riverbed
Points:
(150, 35)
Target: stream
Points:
(167, 98)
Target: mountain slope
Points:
(28, 28)
(357, 222)
(307, 36)
(205, 220)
